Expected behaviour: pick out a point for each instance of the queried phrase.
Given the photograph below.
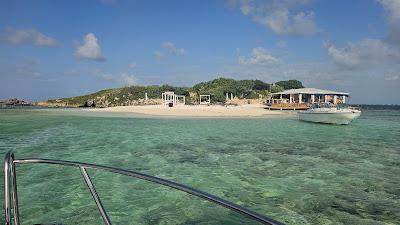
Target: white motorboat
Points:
(329, 114)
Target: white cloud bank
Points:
(372, 52)
(26, 36)
(364, 52)
(90, 49)
(259, 56)
(393, 8)
(277, 16)
(356, 67)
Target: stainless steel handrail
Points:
(10, 188)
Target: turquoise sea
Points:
(292, 171)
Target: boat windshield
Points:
(322, 105)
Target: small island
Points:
(218, 97)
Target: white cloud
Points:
(90, 49)
(259, 56)
(158, 55)
(170, 47)
(281, 44)
(277, 21)
(277, 16)
(372, 52)
(105, 76)
(393, 8)
(128, 79)
(392, 77)
(123, 79)
(393, 37)
(26, 36)
(132, 65)
(364, 52)
(303, 24)
(329, 76)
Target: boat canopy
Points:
(312, 91)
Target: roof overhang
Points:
(312, 91)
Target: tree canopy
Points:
(290, 84)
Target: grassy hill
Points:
(217, 88)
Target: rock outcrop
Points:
(14, 102)
(89, 103)
(56, 104)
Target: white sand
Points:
(250, 110)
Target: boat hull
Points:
(342, 118)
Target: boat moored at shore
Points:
(330, 114)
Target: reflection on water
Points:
(295, 172)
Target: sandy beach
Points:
(250, 110)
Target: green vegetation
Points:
(248, 89)
(290, 84)
(131, 95)
(217, 88)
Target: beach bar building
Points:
(303, 98)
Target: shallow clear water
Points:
(295, 172)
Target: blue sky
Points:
(52, 49)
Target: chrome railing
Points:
(11, 198)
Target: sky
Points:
(53, 49)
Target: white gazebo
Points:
(205, 99)
(170, 97)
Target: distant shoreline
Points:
(38, 106)
(251, 110)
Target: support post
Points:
(7, 191)
(95, 196)
(174, 97)
(10, 189)
(300, 98)
(14, 196)
(312, 99)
